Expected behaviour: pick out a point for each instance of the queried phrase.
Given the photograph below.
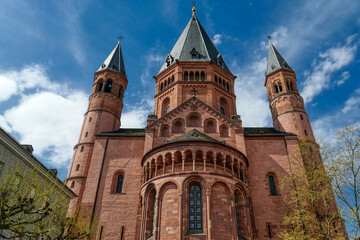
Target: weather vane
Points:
(194, 3)
(269, 37)
(120, 38)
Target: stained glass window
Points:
(195, 210)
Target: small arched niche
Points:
(164, 130)
(178, 126)
(224, 130)
(193, 120)
(210, 125)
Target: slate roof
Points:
(125, 132)
(194, 40)
(275, 61)
(114, 61)
(195, 135)
(267, 132)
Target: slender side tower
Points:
(286, 104)
(103, 115)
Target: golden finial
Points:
(269, 37)
(194, 9)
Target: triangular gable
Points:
(193, 105)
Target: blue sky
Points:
(51, 49)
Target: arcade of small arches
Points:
(191, 159)
(187, 205)
(107, 86)
(193, 120)
(279, 87)
(196, 76)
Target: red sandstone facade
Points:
(194, 172)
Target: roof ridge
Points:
(202, 38)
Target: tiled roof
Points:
(275, 61)
(114, 61)
(259, 131)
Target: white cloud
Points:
(325, 126)
(344, 76)
(136, 116)
(251, 99)
(217, 39)
(353, 102)
(151, 60)
(328, 62)
(16, 81)
(48, 118)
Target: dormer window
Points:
(194, 53)
(169, 60)
(220, 61)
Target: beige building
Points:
(18, 163)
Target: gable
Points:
(195, 114)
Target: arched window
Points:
(90, 119)
(119, 183)
(223, 83)
(202, 76)
(222, 110)
(238, 226)
(72, 184)
(272, 185)
(108, 86)
(216, 79)
(197, 76)
(280, 87)
(224, 106)
(220, 81)
(169, 81)
(276, 88)
(165, 106)
(99, 86)
(172, 79)
(86, 134)
(195, 210)
(161, 86)
(186, 76)
(150, 216)
(82, 149)
(77, 167)
(191, 76)
(227, 86)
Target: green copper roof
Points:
(275, 61)
(114, 61)
(195, 135)
(194, 45)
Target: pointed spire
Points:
(275, 61)
(194, 45)
(114, 61)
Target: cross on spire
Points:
(194, 92)
(120, 38)
(193, 2)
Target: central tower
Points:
(194, 62)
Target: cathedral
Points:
(194, 171)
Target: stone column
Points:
(164, 166)
(172, 164)
(156, 218)
(150, 171)
(156, 167)
(224, 162)
(238, 166)
(204, 164)
(214, 163)
(194, 158)
(183, 163)
(232, 167)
